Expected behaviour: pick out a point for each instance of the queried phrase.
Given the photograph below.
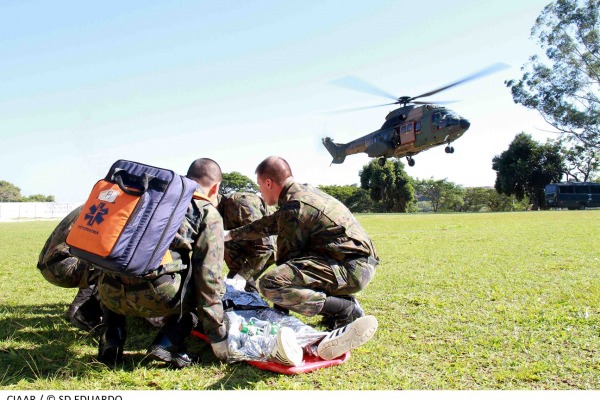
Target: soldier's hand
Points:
(227, 236)
(220, 349)
(238, 282)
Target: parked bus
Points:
(572, 195)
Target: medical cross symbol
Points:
(96, 214)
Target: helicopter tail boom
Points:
(337, 151)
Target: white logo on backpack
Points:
(109, 196)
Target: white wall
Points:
(29, 211)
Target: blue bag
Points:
(131, 217)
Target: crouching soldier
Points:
(246, 259)
(187, 290)
(60, 268)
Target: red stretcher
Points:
(309, 363)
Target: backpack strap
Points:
(201, 196)
(198, 195)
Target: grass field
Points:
(464, 301)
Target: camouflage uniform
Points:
(56, 263)
(248, 258)
(168, 290)
(321, 250)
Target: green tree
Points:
(342, 193)
(581, 163)
(442, 194)
(236, 182)
(9, 192)
(565, 92)
(389, 185)
(355, 198)
(526, 168)
(475, 198)
(361, 202)
(40, 198)
(500, 202)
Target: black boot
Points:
(112, 339)
(85, 312)
(251, 286)
(169, 346)
(339, 312)
(282, 309)
(358, 310)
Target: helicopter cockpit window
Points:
(436, 119)
(403, 129)
(417, 126)
(409, 127)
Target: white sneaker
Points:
(348, 337)
(287, 351)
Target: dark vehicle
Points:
(572, 195)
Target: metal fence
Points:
(32, 211)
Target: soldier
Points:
(60, 268)
(246, 259)
(323, 257)
(188, 289)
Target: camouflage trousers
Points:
(302, 284)
(158, 297)
(70, 272)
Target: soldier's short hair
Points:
(205, 171)
(274, 168)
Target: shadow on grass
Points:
(37, 343)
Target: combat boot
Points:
(112, 339)
(338, 311)
(169, 346)
(358, 310)
(85, 312)
(281, 309)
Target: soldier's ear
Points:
(213, 191)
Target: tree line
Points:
(389, 189)
(11, 193)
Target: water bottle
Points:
(258, 327)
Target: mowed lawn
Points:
(464, 301)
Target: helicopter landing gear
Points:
(449, 149)
(381, 161)
(410, 160)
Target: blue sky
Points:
(163, 83)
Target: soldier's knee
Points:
(361, 284)
(268, 282)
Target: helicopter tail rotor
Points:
(337, 151)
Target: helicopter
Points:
(414, 127)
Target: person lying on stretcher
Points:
(257, 332)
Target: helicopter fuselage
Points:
(407, 131)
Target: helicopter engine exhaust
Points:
(337, 151)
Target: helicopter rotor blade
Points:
(434, 102)
(354, 83)
(346, 110)
(486, 71)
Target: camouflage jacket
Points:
(310, 222)
(239, 209)
(201, 233)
